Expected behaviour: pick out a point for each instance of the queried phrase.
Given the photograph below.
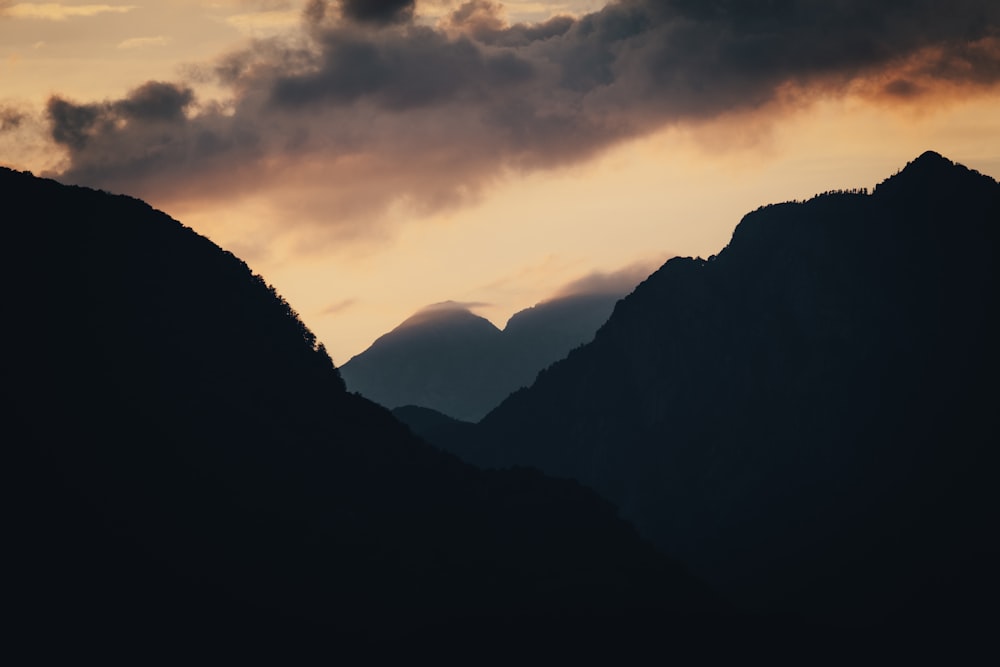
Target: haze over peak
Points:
(447, 358)
(443, 313)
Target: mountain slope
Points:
(185, 462)
(806, 418)
(448, 359)
(444, 357)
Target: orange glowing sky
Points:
(362, 207)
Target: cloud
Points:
(403, 71)
(140, 42)
(338, 307)
(378, 11)
(434, 312)
(265, 22)
(621, 282)
(52, 11)
(78, 126)
(448, 306)
(24, 137)
(383, 111)
(10, 118)
(265, 5)
(485, 21)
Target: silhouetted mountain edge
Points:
(185, 465)
(804, 419)
(448, 359)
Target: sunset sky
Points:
(371, 158)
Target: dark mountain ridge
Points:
(449, 359)
(805, 419)
(185, 464)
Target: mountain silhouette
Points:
(807, 419)
(185, 462)
(448, 359)
(436, 427)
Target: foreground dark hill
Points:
(184, 461)
(808, 419)
(457, 363)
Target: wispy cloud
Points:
(52, 11)
(338, 307)
(10, 118)
(621, 281)
(446, 306)
(141, 42)
(264, 22)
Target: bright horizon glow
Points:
(677, 191)
(646, 201)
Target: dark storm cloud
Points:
(146, 137)
(315, 11)
(10, 118)
(400, 71)
(72, 124)
(378, 11)
(482, 20)
(156, 101)
(76, 125)
(901, 88)
(378, 109)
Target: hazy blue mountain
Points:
(444, 357)
(434, 426)
(457, 363)
(184, 464)
(807, 419)
(541, 335)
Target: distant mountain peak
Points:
(448, 358)
(929, 170)
(450, 312)
(927, 156)
(928, 163)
